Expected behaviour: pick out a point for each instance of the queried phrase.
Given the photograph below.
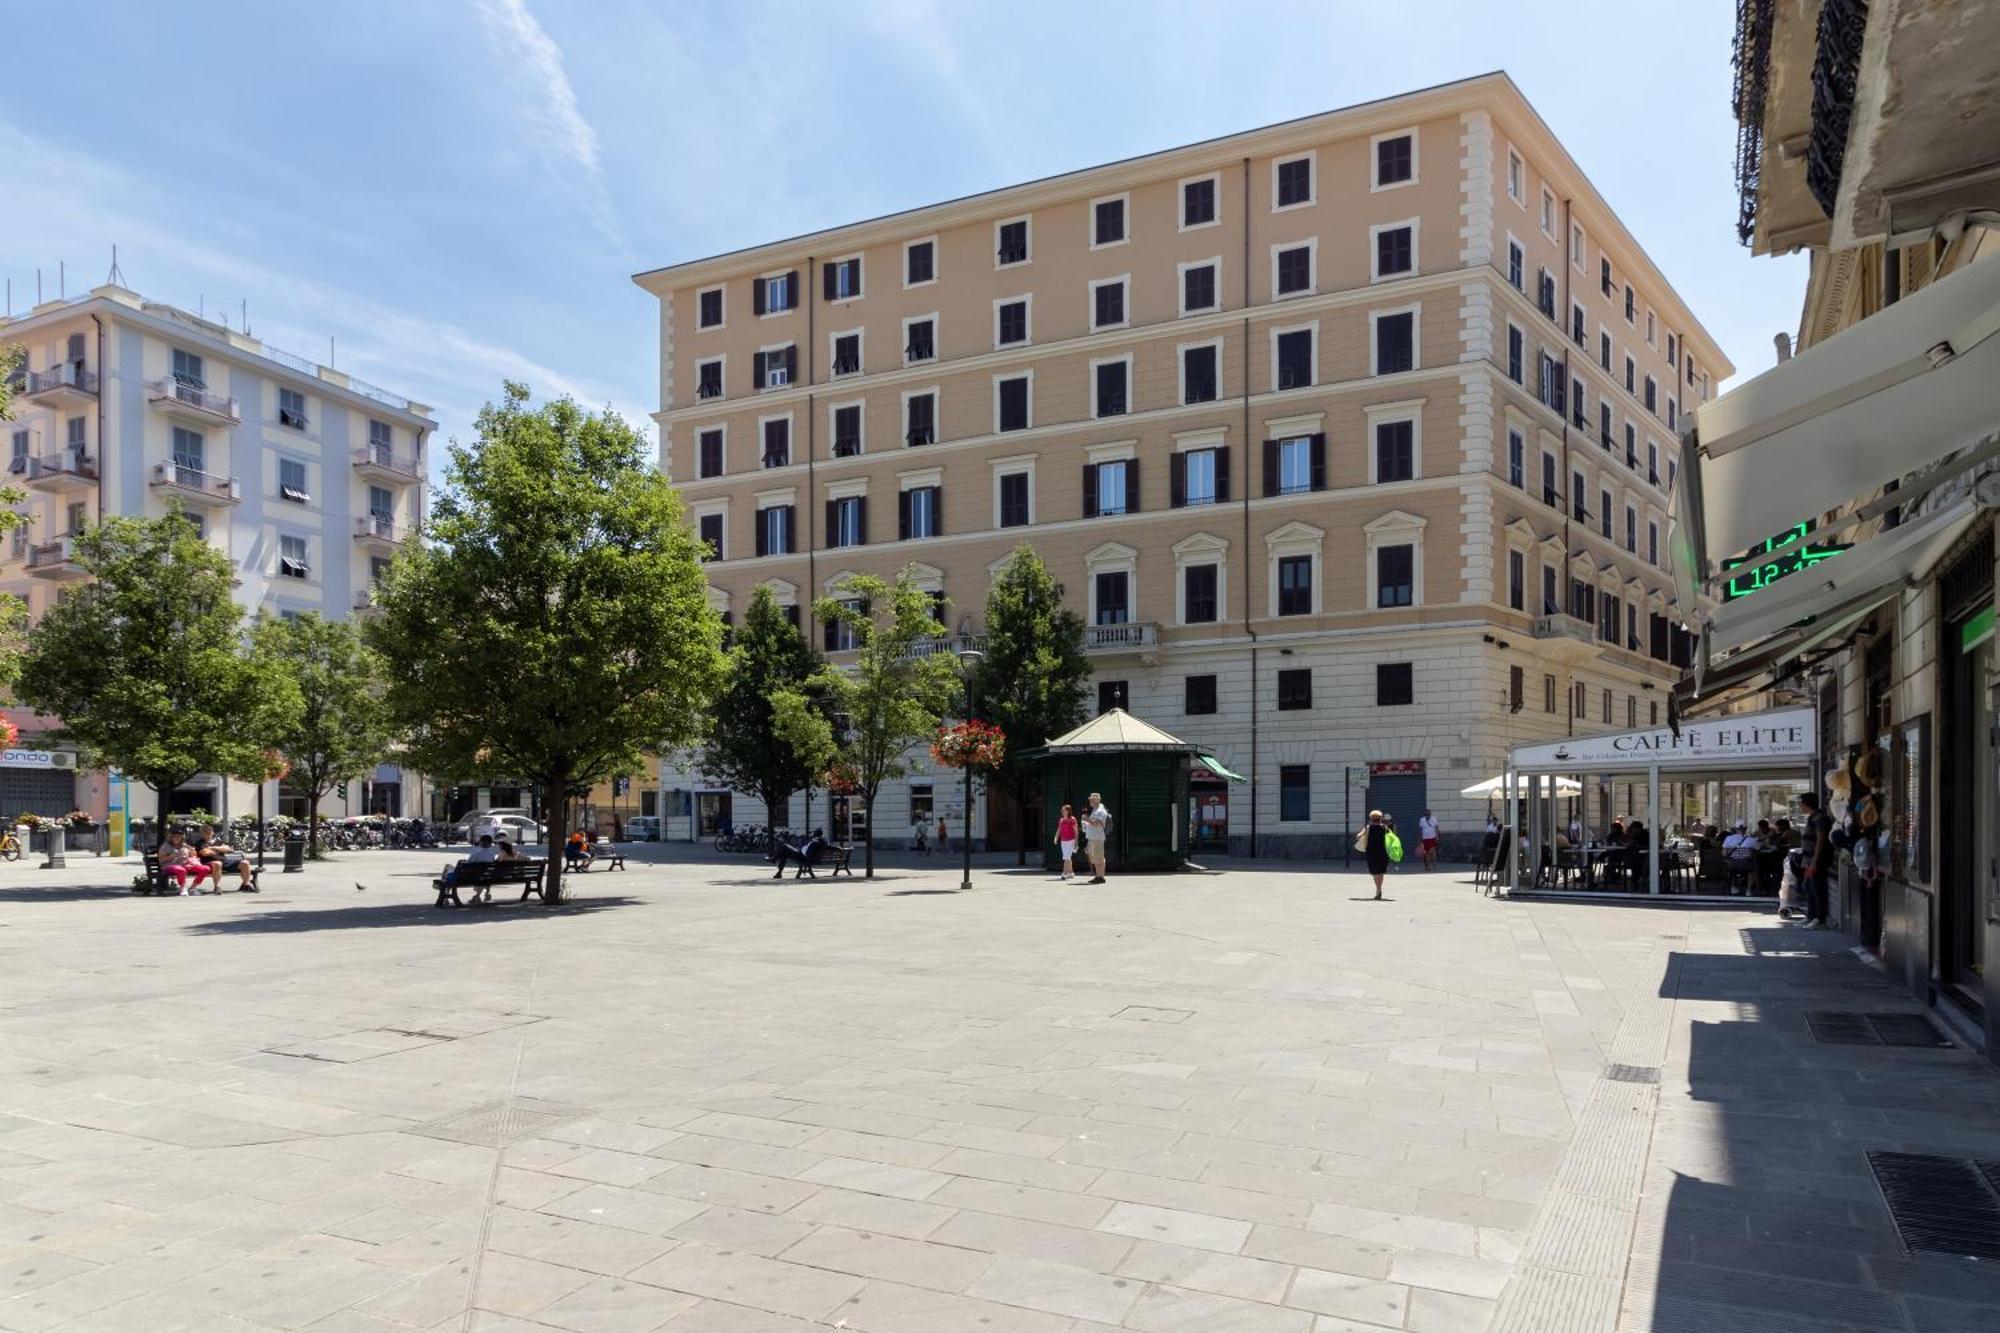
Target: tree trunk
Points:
(312, 823)
(771, 809)
(868, 841)
(165, 791)
(1019, 787)
(558, 820)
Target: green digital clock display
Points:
(1753, 571)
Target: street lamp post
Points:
(968, 659)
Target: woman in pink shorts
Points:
(179, 863)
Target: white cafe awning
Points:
(1897, 391)
(1885, 562)
(1498, 785)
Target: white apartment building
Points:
(308, 478)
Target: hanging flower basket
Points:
(979, 746)
(842, 779)
(10, 732)
(276, 767)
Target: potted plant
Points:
(29, 828)
(81, 831)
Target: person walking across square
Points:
(1427, 834)
(1374, 843)
(1096, 823)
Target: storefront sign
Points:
(1723, 742)
(31, 759)
(1396, 768)
(1750, 572)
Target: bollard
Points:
(55, 861)
(295, 850)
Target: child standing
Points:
(1066, 839)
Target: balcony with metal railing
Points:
(70, 470)
(65, 385)
(196, 486)
(377, 462)
(949, 644)
(1567, 637)
(55, 559)
(193, 402)
(380, 530)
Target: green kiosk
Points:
(1142, 773)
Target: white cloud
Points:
(550, 107)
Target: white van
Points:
(642, 828)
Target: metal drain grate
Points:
(1941, 1205)
(1834, 1027)
(500, 1123)
(1632, 1073)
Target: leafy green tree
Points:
(1034, 678)
(745, 750)
(146, 664)
(892, 697)
(341, 729)
(555, 625)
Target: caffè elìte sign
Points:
(1749, 738)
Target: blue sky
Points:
(458, 191)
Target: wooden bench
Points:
(827, 854)
(156, 876)
(607, 853)
(488, 875)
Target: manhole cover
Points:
(1146, 1013)
(1632, 1073)
(500, 1123)
(1834, 1027)
(1941, 1205)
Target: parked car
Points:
(517, 829)
(462, 830)
(643, 828)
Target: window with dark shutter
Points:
(1604, 424)
(1515, 680)
(1014, 242)
(1294, 270)
(1198, 288)
(777, 443)
(847, 354)
(1198, 586)
(1395, 575)
(1604, 275)
(1114, 605)
(1393, 160)
(1294, 182)
(1395, 450)
(1295, 588)
(1515, 354)
(920, 263)
(1198, 378)
(1394, 684)
(917, 513)
(1109, 221)
(1295, 359)
(709, 447)
(1395, 343)
(1576, 325)
(708, 380)
(1014, 500)
(1514, 263)
(1199, 696)
(1013, 319)
(1108, 304)
(1294, 793)
(1197, 203)
(711, 309)
(921, 344)
(1014, 403)
(1394, 251)
(1111, 389)
(711, 535)
(847, 431)
(920, 411)
(1295, 688)
(1517, 581)
(842, 280)
(1604, 350)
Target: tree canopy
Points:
(554, 626)
(340, 731)
(746, 750)
(146, 663)
(893, 695)
(1034, 679)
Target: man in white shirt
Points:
(1427, 834)
(1096, 819)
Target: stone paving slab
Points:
(701, 1101)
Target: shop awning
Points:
(1220, 769)
(1773, 654)
(1498, 784)
(1884, 563)
(1885, 398)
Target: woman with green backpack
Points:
(1379, 845)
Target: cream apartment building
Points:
(308, 478)
(1350, 438)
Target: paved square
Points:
(700, 1101)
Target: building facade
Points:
(1868, 141)
(1350, 438)
(308, 479)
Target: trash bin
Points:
(295, 850)
(56, 860)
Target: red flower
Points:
(10, 732)
(980, 746)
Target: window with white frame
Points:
(1517, 354)
(777, 441)
(1107, 221)
(709, 309)
(1294, 569)
(1516, 265)
(774, 367)
(1548, 213)
(1107, 303)
(847, 442)
(1198, 202)
(1395, 339)
(1012, 402)
(1199, 476)
(1014, 499)
(1292, 182)
(920, 339)
(847, 520)
(1110, 386)
(708, 453)
(1294, 357)
(776, 293)
(294, 561)
(1292, 269)
(841, 279)
(1201, 378)
(1517, 459)
(920, 418)
(1516, 178)
(292, 409)
(1010, 240)
(708, 377)
(1395, 159)
(1395, 449)
(1199, 288)
(847, 353)
(1010, 321)
(1395, 252)
(292, 483)
(918, 512)
(920, 262)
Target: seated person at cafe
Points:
(1615, 835)
(1739, 845)
(1785, 836)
